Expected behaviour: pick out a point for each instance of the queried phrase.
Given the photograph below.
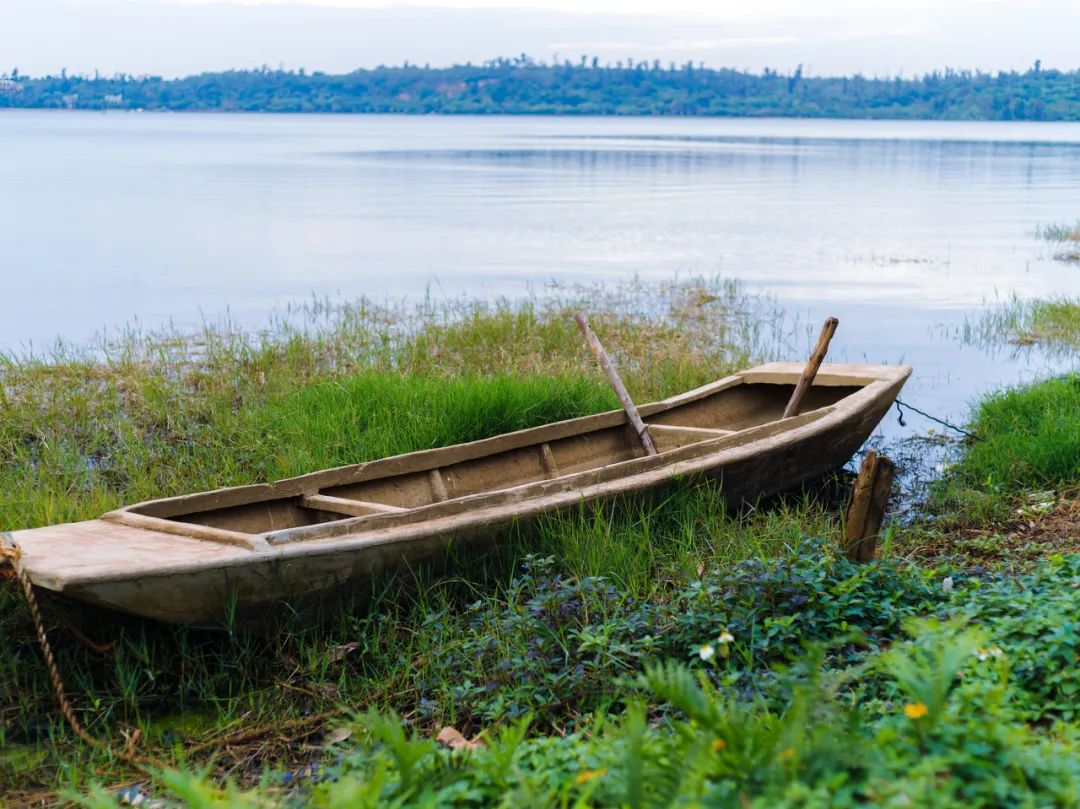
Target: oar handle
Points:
(811, 369)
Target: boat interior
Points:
(558, 452)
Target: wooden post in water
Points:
(862, 520)
(811, 369)
(601, 355)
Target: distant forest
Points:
(524, 86)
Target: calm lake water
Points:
(902, 229)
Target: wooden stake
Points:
(862, 521)
(640, 429)
(811, 369)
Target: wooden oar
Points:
(811, 369)
(597, 349)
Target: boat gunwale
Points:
(424, 460)
(836, 375)
(537, 488)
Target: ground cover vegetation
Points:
(524, 86)
(669, 655)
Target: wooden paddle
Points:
(810, 371)
(601, 355)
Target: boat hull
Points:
(200, 581)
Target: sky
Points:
(827, 37)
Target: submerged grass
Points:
(1068, 235)
(1053, 323)
(1059, 232)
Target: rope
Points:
(11, 554)
(942, 422)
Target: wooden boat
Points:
(189, 559)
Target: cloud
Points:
(175, 37)
(674, 45)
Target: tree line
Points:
(524, 86)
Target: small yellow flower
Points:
(787, 755)
(585, 776)
(718, 745)
(915, 710)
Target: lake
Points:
(901, 229)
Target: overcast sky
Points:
(883, 37)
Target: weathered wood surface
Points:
(180, 560)
(866, 510)
(597, 348)
(806, 381)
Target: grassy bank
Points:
(84, 431)
(1011, 495)
(673, 655)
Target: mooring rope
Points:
(900, 417)
(11, 555)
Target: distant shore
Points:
(523, 87)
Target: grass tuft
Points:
(1059, 232)
(1054, 323)
(1028, 438)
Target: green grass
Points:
(1027, 440)
(1053, 323)
(375, 415)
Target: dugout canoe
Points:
(190, 559)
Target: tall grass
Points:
(82, 431)
(1053, 323)
(375, 415)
